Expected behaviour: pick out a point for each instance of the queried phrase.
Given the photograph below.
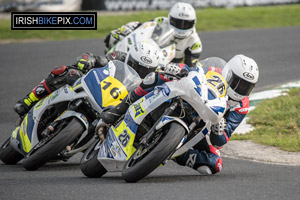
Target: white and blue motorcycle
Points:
(160, 126)
(63, 123)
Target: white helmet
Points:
(241, 74)
(143, 58)
(182, 18)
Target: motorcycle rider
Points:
(241, 74)
(61, 75)
(182, 19)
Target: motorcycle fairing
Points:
(146, 32)
(118, 146)
(105, 89)
(24, 131)
(119, 140)
(25, 138)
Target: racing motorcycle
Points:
(152, 33)
(63, 123)
(162, 125)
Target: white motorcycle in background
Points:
(160, 126)
(152, 33)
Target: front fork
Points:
(150, 134)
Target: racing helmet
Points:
(143, 58)
(182, 18)
(241, 74)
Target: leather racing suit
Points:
(188, 50)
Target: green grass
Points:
(276, 122)
(209, 19)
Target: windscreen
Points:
(126, 75)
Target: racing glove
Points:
(85, 62)
(219, 128)
(175, 70)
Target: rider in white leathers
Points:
(181, 19)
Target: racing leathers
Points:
(204, 156)
(188, 49)
(61, 75)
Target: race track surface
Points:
(277, 52)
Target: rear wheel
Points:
(45, 152)
(89, 164)
(8, 154)
(147, 158)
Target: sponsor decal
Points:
(146, 59)
(84, 118)
(113, 152)
(248, 75)
(54, 96)
(166, 90)
(196, 46)
(138, 110)
(129, 41)
(191, 161)
(183, 14)
(242, 110)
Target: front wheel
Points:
(8, 154)
(89, 164)
(65, 136)
(144, 160)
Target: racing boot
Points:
(110, 116)
(24, 105)
(204, 162)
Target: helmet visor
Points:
(240, 85)
(182, 24)
(140, 69)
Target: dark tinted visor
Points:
(140, 69)
(240, 85)
(182, 24)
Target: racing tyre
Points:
(89, 164)
(147, 158)
(8, 154)
(65, 136)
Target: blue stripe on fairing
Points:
(217, 109)
(197, 82)
(93, 85)
(30, 124)
(130, 123)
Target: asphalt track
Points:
(22, 66)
